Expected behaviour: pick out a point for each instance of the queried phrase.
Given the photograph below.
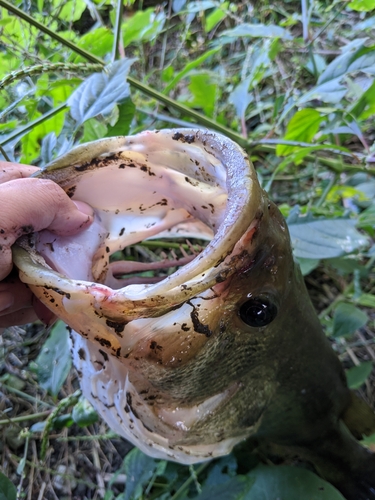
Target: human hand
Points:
(28, 205)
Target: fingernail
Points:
(84, 208)
(6, 300)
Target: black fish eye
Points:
(258, 311)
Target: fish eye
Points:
(258, 311)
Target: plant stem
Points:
(117, 30)
(25, 418)
(190, 480)
(3, 152)
(43, 68)
(29, 126)
(26, 396)
(63, 405)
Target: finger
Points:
(11, 171)
(44, 314)
(30, 205)
(21, 317)
(14, 296)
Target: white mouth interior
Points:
(148, 199)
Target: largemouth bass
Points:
(226, 348)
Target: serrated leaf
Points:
(138, 468)
(83, 413)
(125, 116)
(323, 238)
(347, 319)
(289, 483)
(302, 127)
(234, 489)
(53, 363)
(258, 31)
(358, 375)
(7, 489)
(99, 93)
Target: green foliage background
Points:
(293, 83)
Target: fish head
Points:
(184, 366)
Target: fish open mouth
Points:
(163, 184)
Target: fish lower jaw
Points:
(159, 432)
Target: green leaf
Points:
(72, 10)
(332, 92)
(126, 112)
(241, 97)
(98, 41)
(200, 6)
(215, 17)
(354, 58)
(307, 265)
(31, 141)
(367, 217)
(367, 440)
(258, 31)
(358, 375)
(99, 93)
(138, 468)
(323, 238)
(347, 319)
(53, 363)
(234, 489)
(83, 413)
(143, 26)
(204, 93)
(362, 5)
(289, 483)
(302, 127)
(188, 67)
(93, 130)
(366, 300)
(337, 193)
(7, 489)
